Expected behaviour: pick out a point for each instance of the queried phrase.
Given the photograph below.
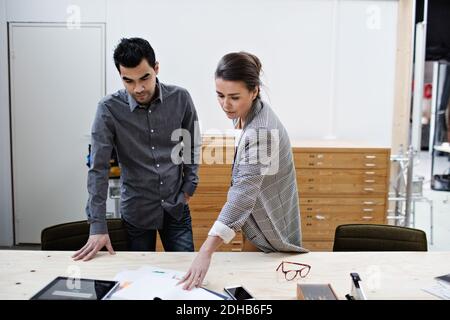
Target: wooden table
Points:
(385, 275)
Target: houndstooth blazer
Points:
(263, 198)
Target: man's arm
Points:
(190, 167)
(102, 139)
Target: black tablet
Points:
(64, 288)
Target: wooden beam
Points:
(403, 75)
(403, 85)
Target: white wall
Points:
(6, 226)
(28, 11)
(190, 37)
(55, 10)
(365, 71)
(328, 64)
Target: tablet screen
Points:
(64, 288)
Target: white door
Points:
(57, 77)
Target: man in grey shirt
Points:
(141, 123)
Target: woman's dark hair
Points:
(130, 52)
(240, 66)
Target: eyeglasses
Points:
(300, 269)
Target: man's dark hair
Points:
(130, 52)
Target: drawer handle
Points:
(236, 250)
(319, 163)
(368, 189)
(368, 202)
(319, 217)
(320, 156)
(371, 157)
(236, 242)
(370, 172)
(367, 218)
(367, 210)
(370, 164)
(369, 181)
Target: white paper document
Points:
(148, 283)
(439, 290)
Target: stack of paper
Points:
(149, 283)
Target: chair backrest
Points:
(72, 236)
(376, 237)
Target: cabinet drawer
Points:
(318, 245)
(330, 176)
(341, 218)
(208, 170)
(227, 248)
(341, 160)
(207, 205)
(329, 181)
(318, 210)
(200, 235)
(214, 178)
(313, 229)
(344, 189)
(356, 201)
(217, 154)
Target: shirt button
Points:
(161, 182)
(149, 111)
(162, 200)
(152, 131)
(153, 148)
(157, 165)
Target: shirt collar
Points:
(254, 110)
(134, 104)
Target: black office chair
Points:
(377, 237)
(72, 236)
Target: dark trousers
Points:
(175, 235)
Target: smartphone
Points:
(239, 293)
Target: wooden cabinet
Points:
(339, 186)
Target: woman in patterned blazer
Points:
(263, 198)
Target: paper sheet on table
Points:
(439, 290)
(128, 276)
(149, 282)
(159, 285)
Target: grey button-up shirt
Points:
(151, 182)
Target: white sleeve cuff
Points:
(223, 231)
